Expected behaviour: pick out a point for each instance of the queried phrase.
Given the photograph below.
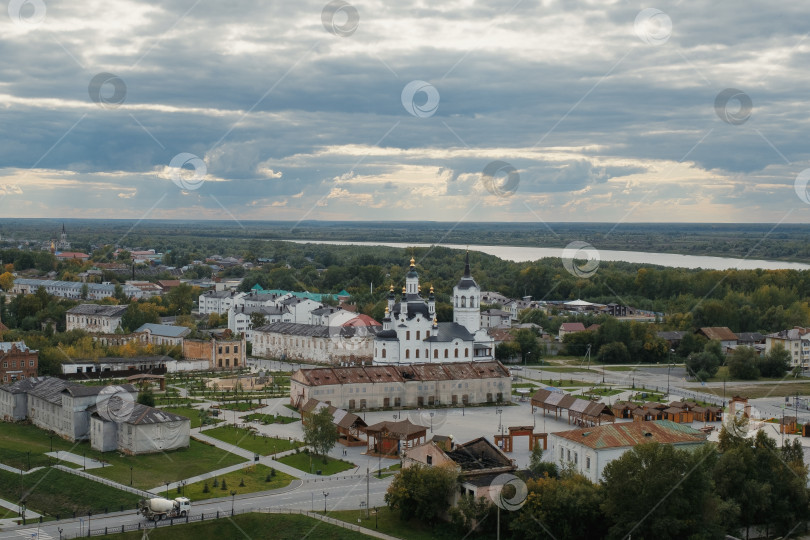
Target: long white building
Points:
(411, 333)
(72, 289)
(414, 385)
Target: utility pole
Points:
(368, 501)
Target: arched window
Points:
(383, 355)
(456, 355)
(445, 353)
(435, 353)
(466, 353)
(417, 353)
(463, 301)
(407, 353)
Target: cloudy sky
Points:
(486, 110)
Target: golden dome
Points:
(413, 262)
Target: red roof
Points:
(72, 255)
(361, 320)
(572, 327)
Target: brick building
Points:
(17, 361)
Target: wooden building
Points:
(391, 439)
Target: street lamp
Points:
(499, 412)
(431, 421)
(233, 498)
(325, 495)
(167, 488)
(130, 475)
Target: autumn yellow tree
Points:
(6, 281)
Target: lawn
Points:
(619, 368)
(240, 406)
(151, 470)
(251, 441)
(302, 462)
(387, 522)
(603, 392)
(255, 526)
(255, 477)
(269, 418)
(192, 414)
(55, 492)
(753, 391)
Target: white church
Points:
(412, 335)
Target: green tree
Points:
(613, 353)
(704, 365)
(768, 485)
(775, 363)
(85, 291)
(567, 507)
(421, 492)
(146, 397)
(742, 363)
(257, 319)
(658, 491)
(118, 294)
(540, 468)
(320, 432)
(527, 341)
(180, 300)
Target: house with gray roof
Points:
(109, 416)
(95, 318)
(142, 430)
(164, 334)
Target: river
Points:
(523, 254)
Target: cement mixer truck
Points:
(158, 508)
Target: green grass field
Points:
(18, 440)
(190, 413)
(249, 440)
(154, 469)
(253, 526)
(239, 406)
(51, 492)
(255, 479)
(270, 418)
(302, 462)
(388, 522)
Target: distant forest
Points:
(758, 241)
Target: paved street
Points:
(343, 494)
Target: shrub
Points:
(206, 489)
(224, 486)
(216, 482)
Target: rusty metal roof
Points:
(403, 373)
(629, 434)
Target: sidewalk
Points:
(18, 471)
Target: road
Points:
(343, 494)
